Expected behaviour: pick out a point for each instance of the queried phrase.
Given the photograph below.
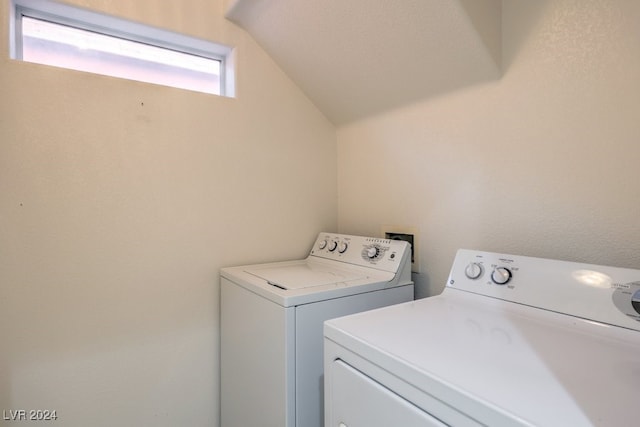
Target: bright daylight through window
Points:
(59, 35)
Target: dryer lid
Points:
(304, 275)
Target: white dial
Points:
(372, 252)
(342, 247)
(332, 246)
(501, 275)
(322, 244)
(473, 271)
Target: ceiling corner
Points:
(357, 58)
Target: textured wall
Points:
(119, 202)
(543, 162)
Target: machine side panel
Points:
(256, 380)
(309, 347)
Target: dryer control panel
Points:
(605, 294)
(382, 254)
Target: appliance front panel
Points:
(359, 401)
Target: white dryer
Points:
(512, 341)
(272, 317)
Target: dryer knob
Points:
(332, 246)
(501, 275)
(473, 271)
(342, 247)
(322, 244)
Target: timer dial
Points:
(635, 301)
(501, 275)
(373, 252)
(342, 247)
(333, 245)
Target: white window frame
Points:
(121, 28)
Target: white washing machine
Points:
(512, 341)
(272, 317)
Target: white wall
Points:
(543, 162)
(120, 201)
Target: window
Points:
(51, 33)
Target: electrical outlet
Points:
(407, 234)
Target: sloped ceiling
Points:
(356, 58)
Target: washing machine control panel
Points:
(605, 294)
(384, 254)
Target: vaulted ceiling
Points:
(356, 58)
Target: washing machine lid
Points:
(291, 283)
(304, 275)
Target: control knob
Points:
(473, 270)
(501, 275)
(322, 244)
(373, 252)
(635, 301)
(342, 247)
(332, 246)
